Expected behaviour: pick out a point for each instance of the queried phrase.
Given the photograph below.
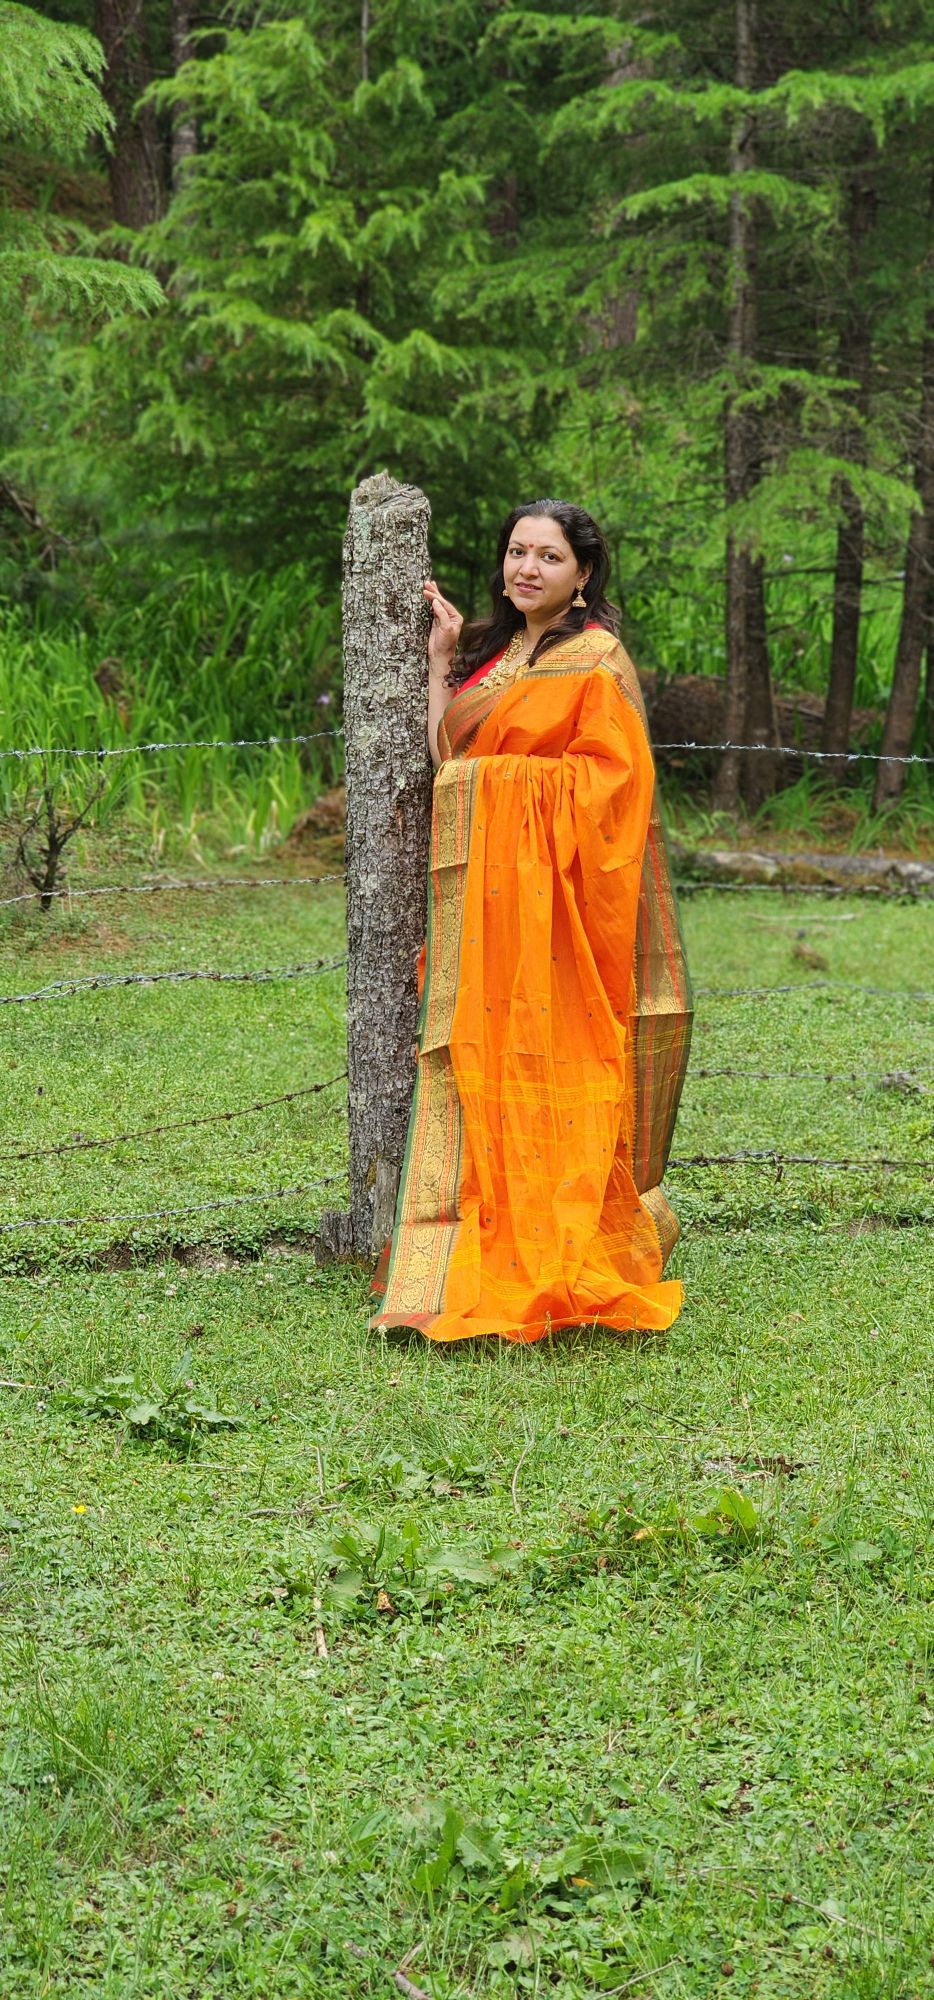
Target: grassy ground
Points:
(648, 1708)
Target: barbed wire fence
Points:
(98, 754)
(382, 496)
(909, 1080)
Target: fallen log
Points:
(861, 874)
(689, 708)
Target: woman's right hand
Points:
(446, 623)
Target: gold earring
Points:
(505, 591)
(579, 602)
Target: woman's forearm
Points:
(439, 696)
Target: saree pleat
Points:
(555, 1017)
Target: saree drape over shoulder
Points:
(555, 1016)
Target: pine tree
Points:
(715, 267)
(305, 253)
(52, 106)
(51, 270)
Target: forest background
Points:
(333, 1663)
(673, 261)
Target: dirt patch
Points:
(302, 1244)
(117, 1257)
(201, 1257)
(102, 935)
(320, 829)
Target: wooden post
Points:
(388, 823)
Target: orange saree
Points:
(555, 1016)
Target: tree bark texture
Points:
(135, 163)
(364, 41)
(915, 631)
(855, 359)
(184, 129)
(749, 713)
(388, 824)
(760, 723)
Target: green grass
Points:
(209, 654)
(202, 655)
(812, 813)
(642, 1754)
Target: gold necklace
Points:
(514, 656)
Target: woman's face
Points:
(540, 570)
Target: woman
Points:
(555, 1014)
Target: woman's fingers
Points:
(438, 604)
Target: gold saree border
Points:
(428, 1213)
(663, 1017)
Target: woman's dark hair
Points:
(486, 637)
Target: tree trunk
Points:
(364, 41)
(184, 129)
(927, 744)
(760, 723)
(748, 697)
(915, 630)
(726, 782)
(388, 824)
(855, 358)
(135, 164)
(847, 604)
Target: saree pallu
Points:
(555, 1016)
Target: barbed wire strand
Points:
(98, 754)
(259, 975)
(208, 885)
(177, 976)
(685, 886)
(811, 986)
(82, 1145)
(766, 1156)
(892, 891)
(160, 1214)
(798, 750)
(185, 743)
(905, 1080)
